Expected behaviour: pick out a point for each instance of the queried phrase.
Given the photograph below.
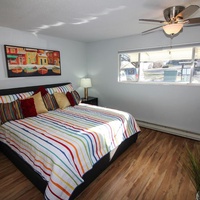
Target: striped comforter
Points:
(62, 145)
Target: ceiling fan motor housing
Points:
(171, 13)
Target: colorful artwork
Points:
(25, 61)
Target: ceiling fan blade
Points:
(193, 21)
(188, 11)
(152, 29)
(151, 20)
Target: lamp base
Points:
(85, 93)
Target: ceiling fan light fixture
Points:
(172, 29)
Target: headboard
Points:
(29, 88)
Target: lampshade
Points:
(86, 82)
(172, 29)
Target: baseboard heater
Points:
(171, 130)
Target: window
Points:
(177, 65)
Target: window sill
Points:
(160, 83)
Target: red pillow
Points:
(70, 98)
(42, 90)
(28, 107)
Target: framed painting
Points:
(25, 61)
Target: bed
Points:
(63, 150)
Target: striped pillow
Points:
(76, 97)
(70, 87)
(50, 101)
(60, 89)
(10, 111)
(13, 97)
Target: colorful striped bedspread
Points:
(62, 145)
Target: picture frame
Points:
(28, 61)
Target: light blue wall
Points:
(170, 105)
(176, 106)
(73, 58)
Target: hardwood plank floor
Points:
(13, 184)
(150, 169)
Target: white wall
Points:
(175, 106)
(73, 58)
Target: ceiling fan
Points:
(175, 18)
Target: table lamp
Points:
(86, 83)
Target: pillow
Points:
(70, 87)
(76, 97)
(42, 90)
(59, 89)
(28, 107)
(39, 103)
(62, 100)
(70, 98)
(13, 97)
(18, 109)
(10, 111)
(50, 101)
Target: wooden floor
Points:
(149, 170)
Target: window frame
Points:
(139, 51)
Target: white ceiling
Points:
(85, 20)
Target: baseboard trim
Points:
(171, 130)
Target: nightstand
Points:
(90, 100)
